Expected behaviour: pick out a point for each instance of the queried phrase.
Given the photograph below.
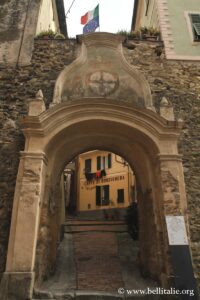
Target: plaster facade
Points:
(117, 176)
(147, 14)
(48, 18)
(173, 20)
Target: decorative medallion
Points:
(103, 83)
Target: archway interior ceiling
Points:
(134, 146)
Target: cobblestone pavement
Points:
(96, 256)
(97, 261)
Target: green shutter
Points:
(98, 162)
(195, 19)
(120, 196)
(106, 194)
(98, 195)
(197, 28)
(109, 160)
(88, 165)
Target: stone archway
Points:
(76, 124)
(147, 141)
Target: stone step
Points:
(95, 228)
(86, 295)
(91, 223)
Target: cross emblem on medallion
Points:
(103, 83)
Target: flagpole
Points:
(99, 21)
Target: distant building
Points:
(52, 17)
(145, 14)
(178, 22)
(105, 181)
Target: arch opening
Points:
(139, 151)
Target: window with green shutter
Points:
(88, 165)
(120, 196)
(98, 195)
(98, 163)
(102, 195)
(109, 160)
(195, 22)
(105, 195)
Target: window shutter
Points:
(88, 165)
(195, 19)
(106, 193)
(98, 195)
(109, 160)
(120, 196)
(98, 162)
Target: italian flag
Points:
(90, 15)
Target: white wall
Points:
(151, 20)
(47, 17)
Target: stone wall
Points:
(179, 82)
(18, 85)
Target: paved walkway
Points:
(97, 261)
(95, 256)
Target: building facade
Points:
(105, 181)
(179, 24)
(21, 21)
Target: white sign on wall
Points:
(176, 230)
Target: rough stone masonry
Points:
(178, 81)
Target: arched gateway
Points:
(100, 102)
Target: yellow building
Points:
(105, 181)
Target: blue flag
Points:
(91, 26)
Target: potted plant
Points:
(59, 36)
(46, 34)
(154, 33)
(143, 32)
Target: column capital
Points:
(170, 157)
(34, 155)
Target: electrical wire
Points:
(69, 8)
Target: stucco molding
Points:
(165, 27)
(102, 61)
(61, 116)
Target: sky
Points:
(115, 15)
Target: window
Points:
(102, 195)
(104, 162)
(195, 22)
(88, 165)
(120, 196)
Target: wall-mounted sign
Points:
(97, 181)
(176, 230)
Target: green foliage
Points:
(142, 33)
(131, 34)
(48, 34)
(144, 30)
(153, 31)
